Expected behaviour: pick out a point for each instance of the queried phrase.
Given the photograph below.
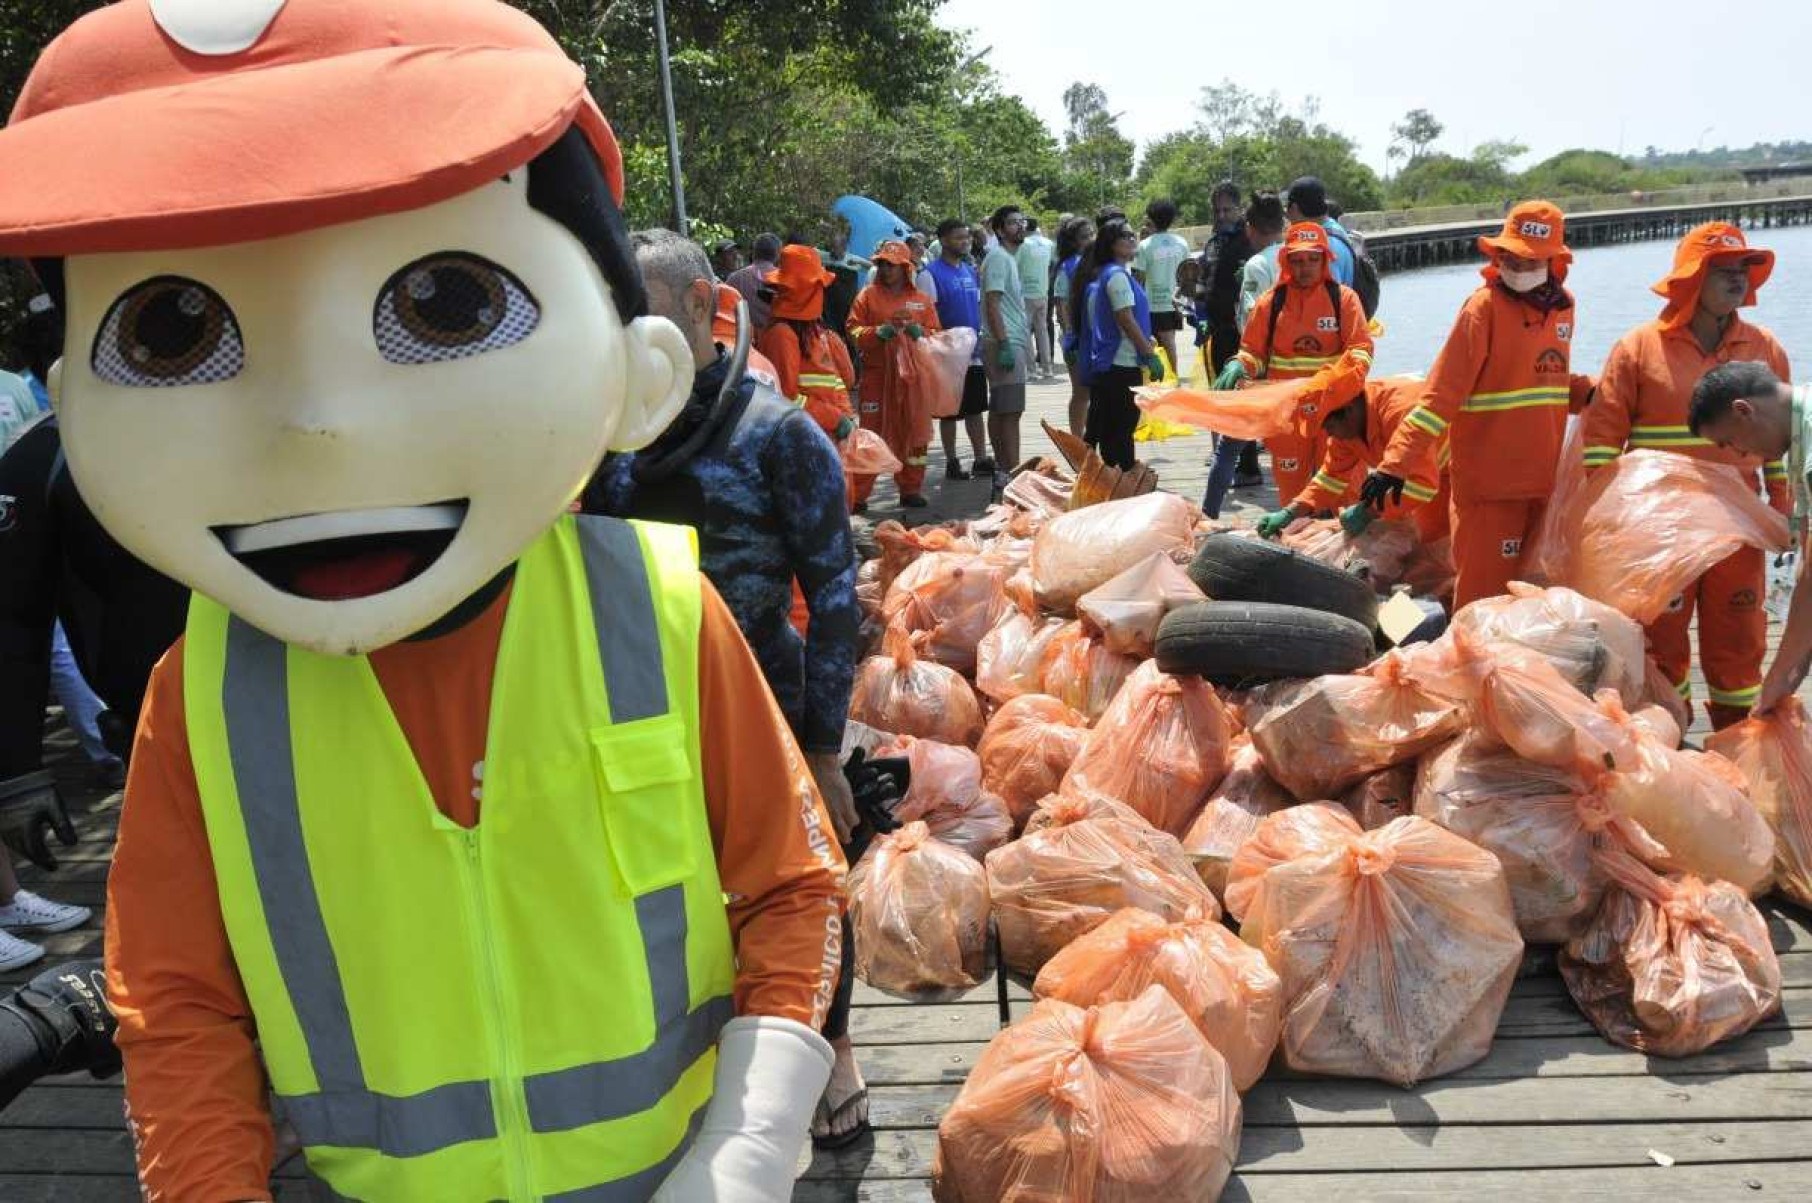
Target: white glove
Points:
(770, 1075)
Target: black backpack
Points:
(1365, 275)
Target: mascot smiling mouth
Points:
(345, 554)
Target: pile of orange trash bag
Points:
(1381, 555)
(1383, 797)
(1010, 659)
(1121, 1103)
(1232, 813)
(952, 599)
(1261, 411)
(1029, 745)
(1070, 871)
(1655, 522)
(1774, 753)
(1333, 731)
(1397, 948)
(919, 910)
(1084, 549)
(1223, 984)
(1671, 965)
(896, 691)
(1081, 672)
(1593, 645)
(946, 794)
(1162, 746)
(1127, 610)
(900, 546)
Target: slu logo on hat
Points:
(1535, 229)
(1306, 236)
(1730, 240)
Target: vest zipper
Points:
(506, 1092)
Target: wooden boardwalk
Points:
(1554, 1113)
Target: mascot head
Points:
(351, 310)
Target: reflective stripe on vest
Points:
(344, 1112)
(1666, 437)
(1520, 398)
(1300, 363)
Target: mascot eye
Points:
(448, 306)
(168, 332)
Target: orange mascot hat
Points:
(1703, 246)
(799, 282)
(146, 125)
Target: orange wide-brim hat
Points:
(799, 281)
(163, 124)
(1532, 230)
(1715, 241)
(896, 252)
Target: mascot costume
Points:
(462, 826)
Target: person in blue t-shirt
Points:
(959, 304)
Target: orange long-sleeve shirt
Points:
(1646, 390)
(1309, 335)
(875, 307)
(817, 377)
(1388, 402)
(195, 1089)
(1500, 392)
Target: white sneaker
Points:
(16, 953)
(28, 912)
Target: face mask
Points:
(1523, 281)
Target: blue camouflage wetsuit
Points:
(764, 488)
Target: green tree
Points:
(1093, 146)
(1418, 130)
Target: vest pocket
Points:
(645, 775)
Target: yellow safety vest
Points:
(525, 1010)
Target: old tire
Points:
(1235, 568)
(1240, 643)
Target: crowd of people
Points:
(722, 699)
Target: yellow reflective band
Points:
(1331, 483)
(1601, 454)
(1665, 436)
(1735, 697)
(1361, 353)
(1522, 398)
(1419, 492)
(815, 381)
(1302, 363)
(1684, 689)
(1423, 418)
(1774, 469)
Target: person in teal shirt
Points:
(1004, 337)
(1034, 260)
(1156, 266)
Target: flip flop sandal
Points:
(827, 1116)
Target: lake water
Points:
(1611, 287)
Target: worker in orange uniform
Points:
(1642, 401)
(888, 316)
(464, 826)
(723, 330)
(1308, 323)
(1358, 435)
(811, 362)
(1500, 393)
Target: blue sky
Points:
(1547, 73)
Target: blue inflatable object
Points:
(870, 223)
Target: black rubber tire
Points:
(1238, 643)
(1236, 568)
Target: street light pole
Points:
(673, 155)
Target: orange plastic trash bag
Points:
(1127, 610)
(946, 795)
(1081, 672)
(1697, 806)
(1774, 753)
(1232, 813)
(1262, 411)
(1057, 810)
(1539, 821)
(1547, 555)
(1121, 1103)
(1223, 984)
(1380, 556)
(865, 453)
(1162, 746)
(1029, 745)
(1285, 835)
(952, 599)
(900, 546)
(1083, 549)
(1397, 949)
(896, 691)
(941, 361)
(1655, 522)
(1383, 797)
(1657, 690)
(1594, 646)
(1334, 731)
(1064, 877)
(1009, 660)
(1043, 492)
(1672, 965)
(919, 910)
